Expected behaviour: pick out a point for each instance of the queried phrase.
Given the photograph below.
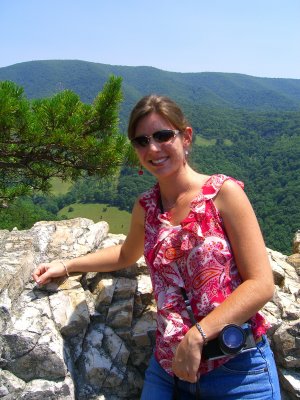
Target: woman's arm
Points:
(105, 260)
(253, 265)
(250, 254)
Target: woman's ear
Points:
(187, 137)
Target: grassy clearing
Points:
(59, 187)
(228, 142)
(119, 221)
(201, 141)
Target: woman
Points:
(207, 261)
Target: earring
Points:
(186, 153)
(141, 172)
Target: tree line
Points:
(260, 148)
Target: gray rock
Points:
(290, 380)
(10, 386)
(70, 311)
(120, 313)
(39, 389)
(296, 242)
(91, 336)
(286, 344)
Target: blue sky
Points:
(254, 37)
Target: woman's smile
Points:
(159, 161)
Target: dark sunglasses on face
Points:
(162, 136)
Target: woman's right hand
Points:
(187, 358)
(45, 272)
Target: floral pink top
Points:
(195, 255)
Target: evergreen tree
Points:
(57, 137)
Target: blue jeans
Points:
(249, 375)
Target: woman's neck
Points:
(177, 189)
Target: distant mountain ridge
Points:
(244, 126)
(212, 89)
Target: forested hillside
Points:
(221, 90)
(244, 126)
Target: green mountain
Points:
(245, 126)
(44, 78)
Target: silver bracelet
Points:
(65, 267)
(203, 334)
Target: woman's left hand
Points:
(187, 358)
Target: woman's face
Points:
(161, 159)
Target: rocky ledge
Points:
(90, 336)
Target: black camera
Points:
(232, 340)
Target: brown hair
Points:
(161, 105)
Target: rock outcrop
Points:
(90, 336)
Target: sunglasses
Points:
(162, 136)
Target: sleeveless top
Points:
(195, 255)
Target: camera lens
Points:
(232, 339)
